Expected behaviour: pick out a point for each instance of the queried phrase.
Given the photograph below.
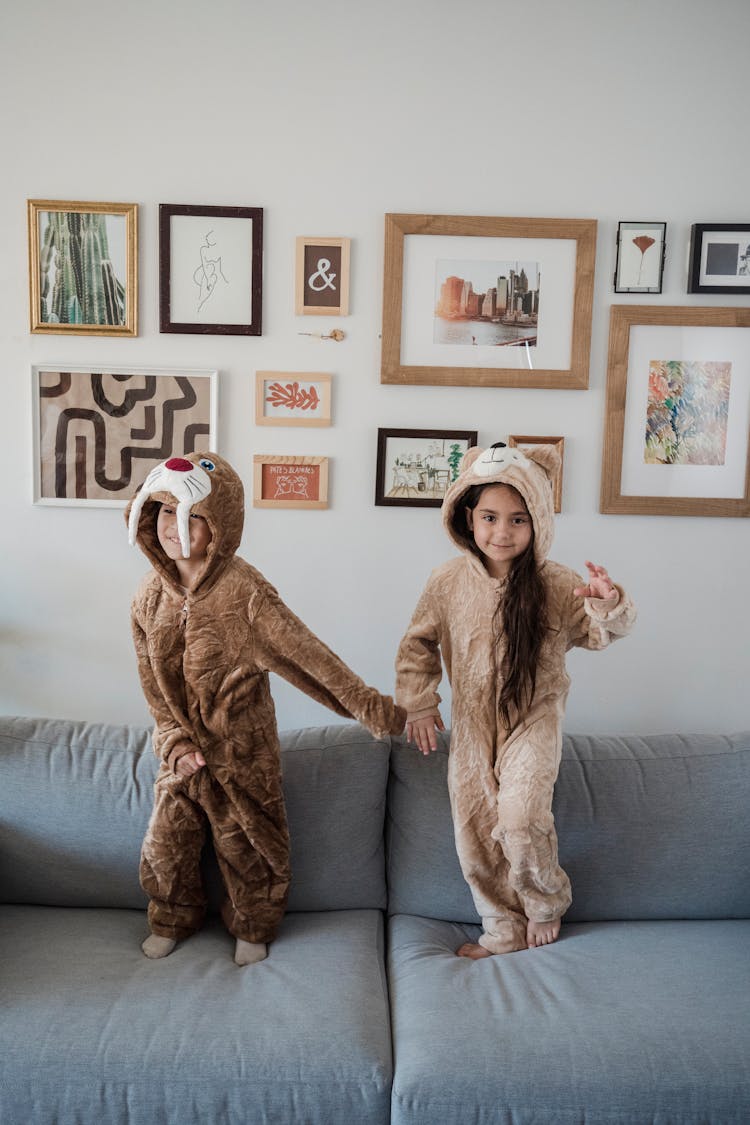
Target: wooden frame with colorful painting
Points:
(675, 442)
(83, 275)
(490, 301)
(522, 440)
(282, 481)
(322, 276)
(292, 398)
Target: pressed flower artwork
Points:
(640, 257)
(687, 412)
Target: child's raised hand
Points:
(600, 584)
(422, 732)
(189, 763)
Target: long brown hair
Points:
(523, 610)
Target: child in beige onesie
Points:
(503, 616)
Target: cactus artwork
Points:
(78, 283)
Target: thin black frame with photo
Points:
(698, 233)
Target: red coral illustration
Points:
(291, 396)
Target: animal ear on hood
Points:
(546, 456)
(469, 458)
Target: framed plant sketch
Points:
(285, 398)
(322, 277)
(524, 440)
(500, 302)
(641, 248)
(83, 277)
(98, 431)
(415, 467)
(719, 258)
(210, 269)
(289, 482)
(677, 430)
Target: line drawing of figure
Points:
(208, 272)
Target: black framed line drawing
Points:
(210, 269)
(719, 260)
(641, 249)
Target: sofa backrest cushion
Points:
(75, 799)
(648, 827)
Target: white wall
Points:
(328, 115)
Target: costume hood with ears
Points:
(201, 484)
(529, 473)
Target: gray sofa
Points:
(362, 1013)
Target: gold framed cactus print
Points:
(83, 277)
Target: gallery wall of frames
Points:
(490, 301)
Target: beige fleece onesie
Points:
(501, 782)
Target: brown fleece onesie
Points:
(501, 782)
(204, 656)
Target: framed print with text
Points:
(322, 277)
(282, 481)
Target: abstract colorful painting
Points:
(687, 412)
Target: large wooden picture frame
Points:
(677, 435)
(477, 301)
(83, 275)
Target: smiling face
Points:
(501, 526)
(169, 541)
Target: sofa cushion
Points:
(95, 1034)
(633, 1023)
(75, 799)
(648, 827)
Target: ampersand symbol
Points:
(322, 272)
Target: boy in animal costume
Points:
(208, 628)
(503, 617)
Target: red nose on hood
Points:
(179, 464)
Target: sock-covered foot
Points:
(155, 946)
(542, 933)
(250, 952)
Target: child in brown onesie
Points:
(503, 616)
(208, 628)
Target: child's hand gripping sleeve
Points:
(596, 622)
(283, 644)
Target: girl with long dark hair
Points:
(501, 618)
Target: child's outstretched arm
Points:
(605, 614)
(283, 644)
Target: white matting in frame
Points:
(211, 269)
(688, 344)
(555, 261)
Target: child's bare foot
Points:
(155, 946)
(473, 950)
(249, 952)
(542, 933)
